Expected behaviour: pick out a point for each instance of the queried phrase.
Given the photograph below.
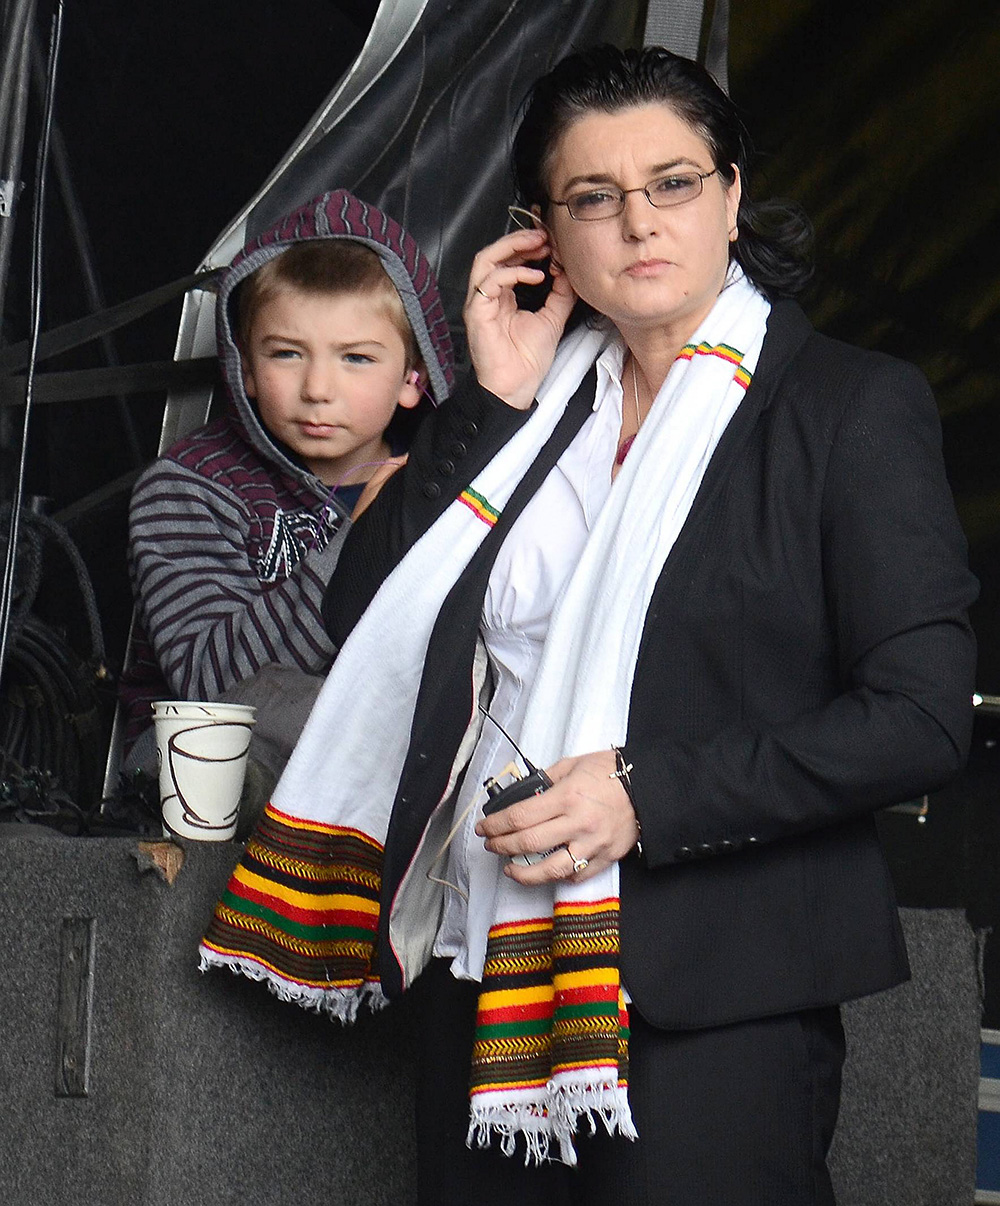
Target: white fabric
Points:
(530, 570)
(579, 699)
(580, 696)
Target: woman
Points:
(721, 590)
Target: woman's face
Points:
(647, 267)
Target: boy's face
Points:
(327, 372)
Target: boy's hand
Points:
(375, 483)
(512, 349)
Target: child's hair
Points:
(324, 266)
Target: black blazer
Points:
(805, 660)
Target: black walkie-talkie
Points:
(532, 784)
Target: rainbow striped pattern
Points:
(724, 352)
(479, 506)
(551, 1001)
(303, 905)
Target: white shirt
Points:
(532, 566)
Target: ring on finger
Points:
(482, 294)
(579, 864)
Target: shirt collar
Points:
(609, 366)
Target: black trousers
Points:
(739, 1115)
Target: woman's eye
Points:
(674, 186)
(598, 199)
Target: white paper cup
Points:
(201, 749)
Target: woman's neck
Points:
(652, 353)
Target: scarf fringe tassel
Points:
(339, 1004)
(567, 1108)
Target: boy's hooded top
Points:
(230, 537)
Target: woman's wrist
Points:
(516, 398)
(623, 773)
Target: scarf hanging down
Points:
(301, 909)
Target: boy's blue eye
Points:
(358, 358)
(284, 353)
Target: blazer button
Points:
(458, 448)
(751, 841)
(726, 846)
(683, 854)
(705, 850)
(431, 490)
(470, 429)
(446, 468)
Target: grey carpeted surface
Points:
(206, 1090)
(907, 1129)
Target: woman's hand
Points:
(585, 809)
(512, 349)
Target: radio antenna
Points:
(517, 749)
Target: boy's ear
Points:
(249, 387)
(413, 387)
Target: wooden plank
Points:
(76, 998)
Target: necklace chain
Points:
(626, 444)
(635, 394)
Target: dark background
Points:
(880, 122)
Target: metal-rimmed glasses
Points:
(608, 200)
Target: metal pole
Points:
(13, 111)
(14, 32)
(37, 242)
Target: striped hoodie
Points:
(231, 539)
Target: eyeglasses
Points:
(608, 201)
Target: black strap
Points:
(717, 50)
(83, 330)
(675, 24)
(113, 381)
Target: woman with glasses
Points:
(701, 565)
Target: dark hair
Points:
(330, 267)
(775, 237)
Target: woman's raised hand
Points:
(512, 349)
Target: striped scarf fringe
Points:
(551, 1041)
(300, 912)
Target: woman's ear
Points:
(414, 384)
(733, 193)
(536, 213)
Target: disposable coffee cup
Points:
(201, 749)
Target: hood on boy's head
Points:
(340, 215)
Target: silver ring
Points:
(482, 294)
(579, 864)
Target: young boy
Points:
(328, 325)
